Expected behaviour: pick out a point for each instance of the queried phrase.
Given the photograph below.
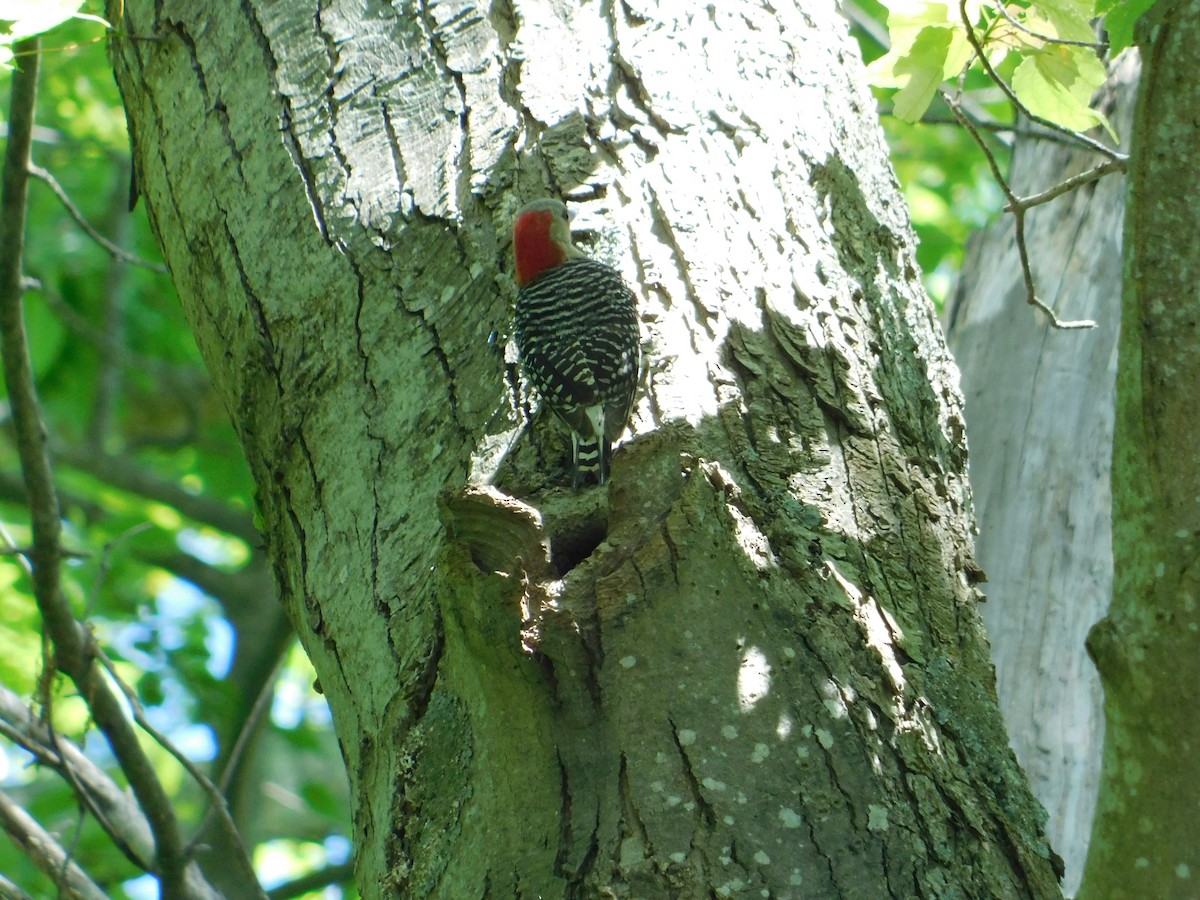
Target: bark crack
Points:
(286, 121)
(330, 100)
(705, 816)
(437, 41)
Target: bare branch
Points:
(1067, 185)
(116, 252)
(113, 808)
(1018, 211)
(46, 853)
(9, 891)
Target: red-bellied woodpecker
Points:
(577, 334)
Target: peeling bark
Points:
(752, 663)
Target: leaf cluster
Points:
(1048, 51)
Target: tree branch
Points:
(313, 881)
(129, 476)
(74, 649)
(113, 808)
(1067, 185)
(241, 859)
(116, 252)
(1018, 211)
(1095, 45)
(46, 853)
(9, 891)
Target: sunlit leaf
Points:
(1071, 19)
(924, 66)
(1058, 84)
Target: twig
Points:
(973, 39)
(1018, 212)
(1095, 45)
(1000, 129)
(109, 379)
(313, 881)
(23, 552)
(261, 704)
(106, 563)
(118, 814)
(73, 646)
(241, 858)
(1067, 185)
(9, 891)
(11, 547)
(46, 853)
(129, 476)
(116, 252)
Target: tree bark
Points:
(1147, 649)
(1039, 409)
(751, 663)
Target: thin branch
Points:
(114, 809)
(1098, 46)
(113, 250)
(973, 39)
(1000, 129)
(313, 881)
(130, 476)
(105, 563)
(9, 891)
(241, 859)
(11, 549)
(112, 806)
(1018, 212)
(74, 647)
(46, 853)
(10, 546)
(261, 704)
(1067, 185)
(109, 378)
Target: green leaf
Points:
(924, 65)
(1071, 19)
(1120, 20)
(906, 21)
(1057, 84)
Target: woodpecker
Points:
(577, 334)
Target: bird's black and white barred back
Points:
(577, 336)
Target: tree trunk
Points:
(1039, 408)
(752, 663)
(1147, 649)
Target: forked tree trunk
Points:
(751, 665)
(1039, 409)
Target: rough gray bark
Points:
(753, 663)
(1039, 410)
(1147, 648)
